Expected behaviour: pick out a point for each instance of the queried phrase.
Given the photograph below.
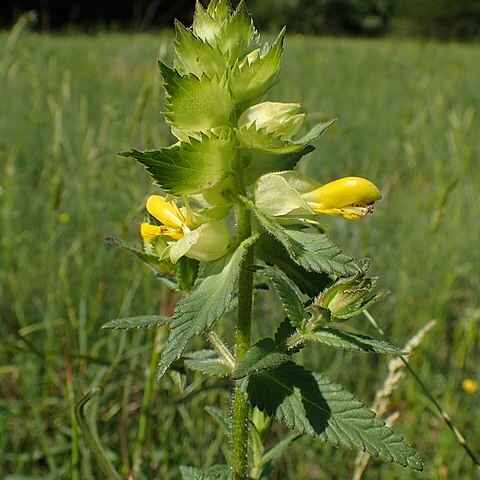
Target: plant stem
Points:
(240, 407)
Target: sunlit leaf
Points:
(189, 167)
(312, 404)
(199, 310)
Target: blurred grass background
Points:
(408, 119)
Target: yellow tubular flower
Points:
(173, 221)
(350, 197)
(182, 234)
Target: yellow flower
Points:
(63, 217)
(291, 195)
(184, 233)
(173, 221)
(350, 197)
(470, 385)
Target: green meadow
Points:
(408, 118)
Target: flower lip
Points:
(350, 197)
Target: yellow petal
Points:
(470, 385)
(351, 197)
(166, 212)
(150, 232)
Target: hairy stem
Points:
(240, 407)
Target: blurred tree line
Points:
(444, 19)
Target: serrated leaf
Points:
(198, 311)
(144, 321)
(195, 104)
(269, 250)
(188, 168)
(219, 10)
(207, 362)
(283, 333)
(351, 341)
(205, 26)
(263, 355)
(195, 56)
(288, 295)
(238, 37)
(312, 404)
(257, 72)
(187, 271)
(163, 269)
(312, 250)
(315, 252)
(216, 472)
(264, 140)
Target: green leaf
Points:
(187, 271)
(257, 72)
(189, 168)
(264, 140)
(272, 252)
(207, 362)
(351, 341)
(221, 417)
(195, 104)
(263, 355)
(216, 472)
(315, 252)
(238, 36)
(205, 26)
(288, 295)
(312, 250)
(198, 311)
(144, 321)
(264, 162)
(195, 56)
(283, 333)
(163, 269)
(312, 404)
(219, 10)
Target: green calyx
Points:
(346, 298)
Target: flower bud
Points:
(281, 119)
(347, 297)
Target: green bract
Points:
(235, 214)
